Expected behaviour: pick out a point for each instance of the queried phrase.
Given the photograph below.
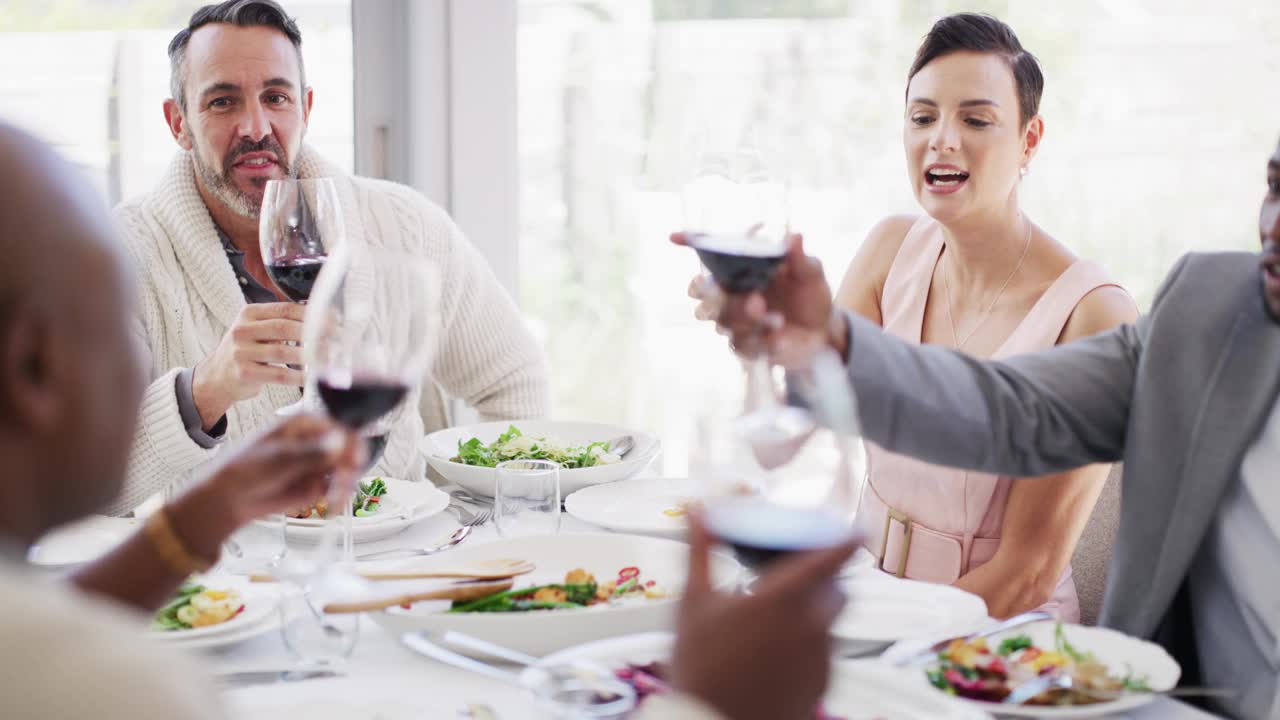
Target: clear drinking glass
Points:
(526, 498)
(256, 547)
(316, 639)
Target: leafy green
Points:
(520, 600)
(166, 618)
(1134, 682)
(1013, 644)
(506, 447)
(1064, 647)
(939, 680)
(362, 504)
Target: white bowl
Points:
(883, 609)
(441, 445)
(544, 631)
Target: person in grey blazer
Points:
(1186, 398)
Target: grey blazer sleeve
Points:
(1034, 414)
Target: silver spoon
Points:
(620, 446)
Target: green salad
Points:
(368, 497)
(515, 445)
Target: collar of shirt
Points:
(254, 291)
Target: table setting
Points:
(374, 673)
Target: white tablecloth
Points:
(385, 680)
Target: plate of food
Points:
(382, 508)
(213, 612)
(586, 586)
(883, 609)
(857, 690)
(1122, 670)
(466, 455)
(645, 506)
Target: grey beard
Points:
(241, 203)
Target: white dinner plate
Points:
(404, 504)
(544, 631)
(883, 609)
(82, 541)
(259, 616)
(441, 445)
(1121, 653)
(857, 689)
(645, 506)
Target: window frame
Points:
(435, 108)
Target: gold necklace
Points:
(946, 286)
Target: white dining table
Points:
(385, 680)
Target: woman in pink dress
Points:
(976, 274)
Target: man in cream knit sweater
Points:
(214, 326)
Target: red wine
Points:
(738, 264)
(296, 275)
(361, 401)
(376, 444)
(760, 532)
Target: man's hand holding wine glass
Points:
(765, 655)
(258, 349)
(288, 465)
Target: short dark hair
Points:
(244, 13)
(979, 32)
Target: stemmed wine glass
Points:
(368, 335)
(300, 222)
(805, 486)
(809, 495)
(736, 220)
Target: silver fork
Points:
(471, 518)
(468, 521)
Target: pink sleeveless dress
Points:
(933, 523)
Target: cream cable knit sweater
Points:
(189, 296)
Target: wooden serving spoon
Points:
(495, 569)
(459, 591)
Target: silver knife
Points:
(267, 677)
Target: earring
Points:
(1023, 171)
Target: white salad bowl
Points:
(442, 445)
(539, 632)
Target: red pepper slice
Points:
(627, 573)
(651, 583)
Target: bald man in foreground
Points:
(70, 385)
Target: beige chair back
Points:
(1092, 557)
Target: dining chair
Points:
(1092, 555)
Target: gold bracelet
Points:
(170, 548)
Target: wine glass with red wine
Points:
(300, 220)
(299, 223)
(812, 480)
(367, 336)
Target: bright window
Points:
(1160, 116)
(91, 77)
